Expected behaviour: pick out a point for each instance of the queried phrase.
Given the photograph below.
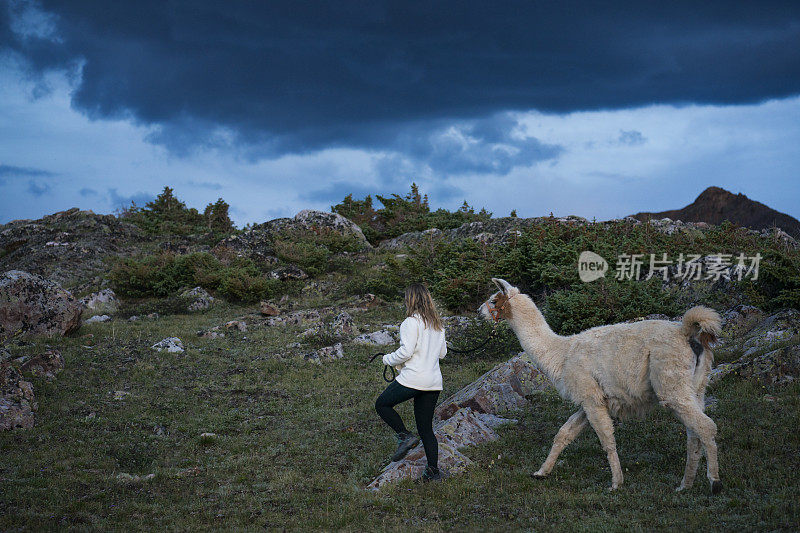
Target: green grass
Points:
(296, 443)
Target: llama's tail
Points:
(701, 327)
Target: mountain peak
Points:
(715, 205)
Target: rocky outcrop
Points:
(382, 337)
(17, 401)
(770, 353)
(258, 242)
(67, 246)
(198, 299)
(469, 417)
(32, 305)
(104, 302)
(46, 364)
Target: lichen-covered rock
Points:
(775, 367)
(97, 318)
(343, 325)
(46, 364)
(170, 344)
(68, 246)
(382, 337)
(464, 428)
(238, 325)
(100, 303)
(17, 401)
(326, 354)
(470, 416)
(504, 388)
(199, 299)
(33, 305)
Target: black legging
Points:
(424, 404)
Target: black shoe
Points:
(430, 474)
(405, 442)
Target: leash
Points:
(491, 336)
(385, 367)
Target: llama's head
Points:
(498, 306)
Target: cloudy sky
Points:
(283, 105)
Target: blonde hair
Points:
(418, 301)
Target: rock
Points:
(238, 325)
(212, 333)
(464, 428)
(320, 220)
(200, 299)
(101, 303)
(67, 247)
(170, 344)
(327, 354)
(97, 318)
(33, 305)
(470, 416)
(152, 316)
(343, 325)
(121, 395)
(287, 272)
(504, 388)
(17, 401)
(268, 310)
(47, 364)
(381, 337)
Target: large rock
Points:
(66, 247)
(100, 303)
(326, 354)
(382, 337)
(46, 364)
(33, 305)
(17, 401)
(170, 344)
(469, 417)
(199, 299)
(258, 242)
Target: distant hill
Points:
(715, 205)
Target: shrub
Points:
(164, 275)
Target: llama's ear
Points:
(502, 284)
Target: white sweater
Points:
(417, 359)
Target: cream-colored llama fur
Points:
(621, 370)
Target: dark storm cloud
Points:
(297, 77)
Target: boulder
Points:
(470, 416)
(199, 299)
(382, 337)
(33, 305)
(47, 364)
(287, 272)
(97, 318)
(238, 325)
(17, 401)
(170, 344)
(100, 303)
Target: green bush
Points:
(166, 274)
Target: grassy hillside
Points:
(297, 442)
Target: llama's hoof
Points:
(612, 488)
(681, 489)
(716, 487)
(538, 475)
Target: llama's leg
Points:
(695, 420)
(568, 432)
(601, 423)
(693, 453)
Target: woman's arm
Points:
(443, 351)
(409, 332)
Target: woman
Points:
(422, 344)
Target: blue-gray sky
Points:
(277, 106)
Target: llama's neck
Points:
(536, 337)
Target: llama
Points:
(621, 370)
